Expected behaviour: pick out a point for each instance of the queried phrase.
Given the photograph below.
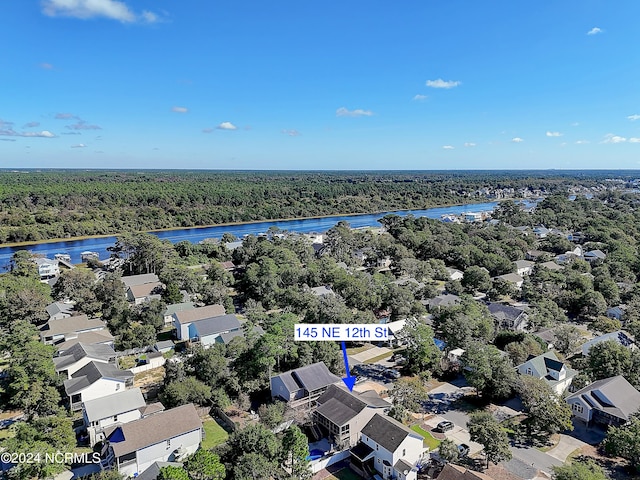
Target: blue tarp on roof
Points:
(439, 343)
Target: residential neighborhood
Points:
(511, 353)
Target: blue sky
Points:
(416, 84)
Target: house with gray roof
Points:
(305, 383)
(610, 401)
(594, 256)
(139, 294)
(220, 329)
(444, 300)
(321, 291)
(512, 278)
(93, 337)
(96, 380)
(168, 436)
(153, 471)
(549, 368)
(509, 317)
(76, 357)
(59, 310)
(63, 329)
(183, 319)
(102, 415)
(133, 280)
(389, 449)
(341, 414)
(524, 267)
(621, 337)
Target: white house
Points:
(512, 278)
(388, 448)
(547, 367)
(102, 337)
(122, 407)
(96, 380)
(46, 268)
(454, 273)
(524, 267)
(139, 294)
(76, 357)
(183, 319)
(610, 401)
(472, 217)
(168, 436)
(59, 310)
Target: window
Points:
(379, 461)
(115, 418)
(377, 446)
(168, 443)
(529, 371)
(577, 407)
(404, 452)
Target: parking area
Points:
(459, 433)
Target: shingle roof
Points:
(595, 254)
(339, 405)
(504, 312)
(215, 325)
(228, 336)
(614, 395)
(59, 307)
(444, 300)
(455, 472)
(321, 290)
(551, 265)
(387, 432)
(154, 429)
(189, 316)
(145, 290)
(402, 466)
(91, 373)
(115, 404)
(80, 351)
(511, 277)
(78, 323)
(179, 307)
(523, 264)
(315, 376)
(620, 337)
(87, 338)
(152, 472)
(133, 280)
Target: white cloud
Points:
(226, 126)
(343, 112)
(84, 9)
(611, 138)
(582, 142)
(595, 31)
(517, 140)
(42, 134)
(83, 125)
(554, 134)
(469, 144)
(634, 140)
(79, 145)
(448, 147)
(292, 133)
(440, 83)
(420, 98)
(634, 117)
(180, 109)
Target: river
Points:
(195, 235)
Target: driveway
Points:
(366, 355)
(537, 459)
(565, 447)
(459, 433)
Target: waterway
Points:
(195, 235)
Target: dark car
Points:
(445, 426)
(463, 449)
(392, 373)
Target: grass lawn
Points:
(344, 474)
(379, 357)
(214, 434)
(429, 441)
(356, 350)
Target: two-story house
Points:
(183, 319)
(388, 448)
(103, 414)
(342, 414)
(548, 368)
(509, 317)
(79, 355)
(58, 330)
(302, 385)
(96, 380)
(168, 436)
(610, 401)
(219, 329)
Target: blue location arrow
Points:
(349, 381)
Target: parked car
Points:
(392, 373)
(445, 426)
(463, 449)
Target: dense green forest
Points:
(41, 205)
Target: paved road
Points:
(532, 456)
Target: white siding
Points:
(102, 388)
(580, 409)
(96, 431)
